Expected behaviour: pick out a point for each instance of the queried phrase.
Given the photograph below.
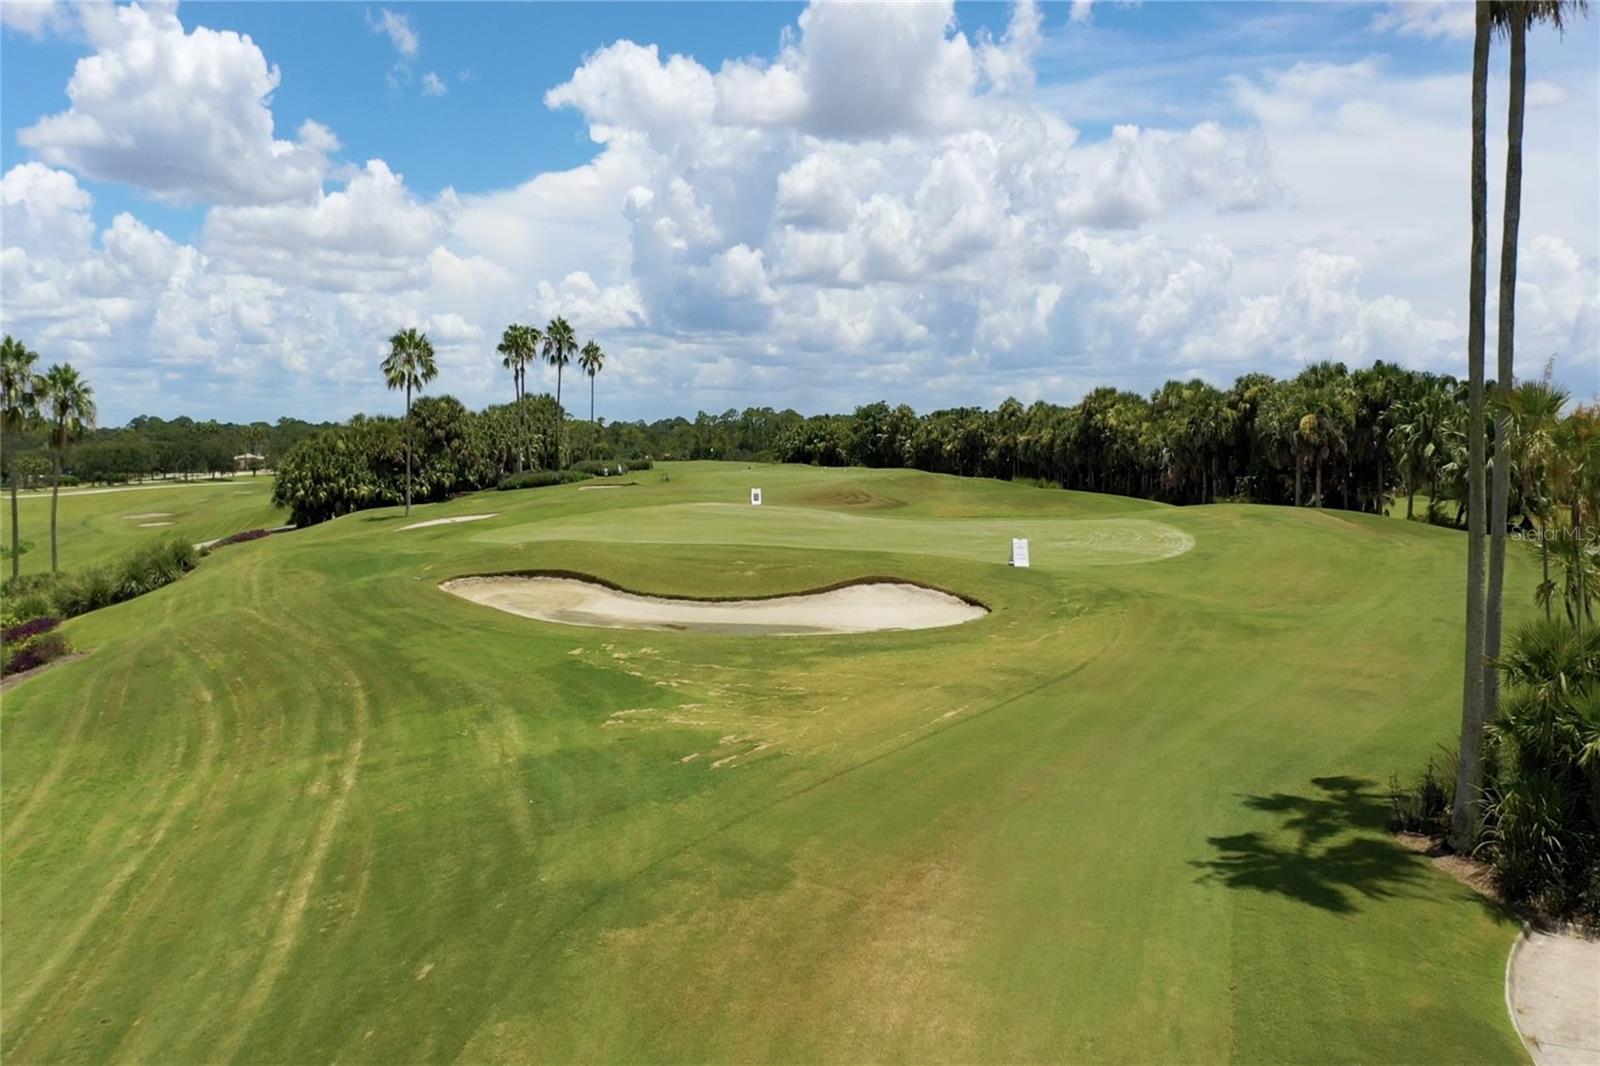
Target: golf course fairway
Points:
(304, 805)
(97, 525)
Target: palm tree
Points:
(1464, 816)
(1535, 421)
(409, 366)
(560, 344)
(19, 410)
(67, 402)
(1513, 19)
(520, 346)
(591, 359)
(1422, 432)
(510, 348)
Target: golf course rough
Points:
(302, 806)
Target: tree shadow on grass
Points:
(1327, 849)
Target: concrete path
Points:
(1553, 991)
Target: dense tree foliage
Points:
(155, 447)
(1327, 437)
(363, 462)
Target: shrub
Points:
(241, 537)
(1541, 777)
(33, 653)
(1424, 805)
(143, 571)
(538, 479)
(22, 631)
(23, 606)
(87, 591)
(24, 584)
(1542, 798)
(605, 467)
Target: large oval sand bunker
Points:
(859, 608)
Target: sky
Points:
(225, 209)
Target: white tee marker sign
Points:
(755, 497)
(1019, 551)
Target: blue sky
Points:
(810, 208)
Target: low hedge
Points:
(68, 595)
(31, 653)
(31, 628)
(30, 644)
(241, 537)
(538, 479)
(27, 597)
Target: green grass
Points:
(305, 806)
(98, 525)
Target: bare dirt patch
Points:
(1473, 873)
(866, 607)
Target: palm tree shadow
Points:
(1327, 850)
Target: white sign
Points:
(755, 497)
(1019, 551)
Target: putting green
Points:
(1055, 543)
(304, 805)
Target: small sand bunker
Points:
(450, 521)
(152, 525)
(860, 608)
(151, 514)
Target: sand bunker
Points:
(450, 521)
(152, 525)
(151, 514)
(860, 608)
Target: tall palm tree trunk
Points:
(16, 528)
(561, 419)
(1469, 775)
(1505, 339)
(1379, 508)
(55, 500)
(408, 449)
(1544, 564)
